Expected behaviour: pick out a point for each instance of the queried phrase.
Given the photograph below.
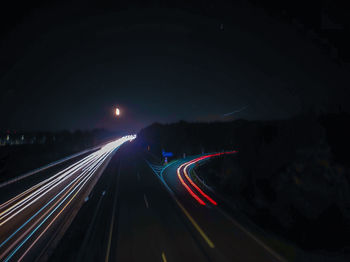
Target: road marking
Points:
(110, 238)
(88, 233)
(266, 247)
(112, 220)
(194, 223)
(201, 232)
(163, 257)
(256, 239)
(145, 198)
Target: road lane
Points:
(146, 233)
(138, 219)
(28, 217)
(230, 239)
(126, 229)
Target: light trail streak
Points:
(61, 189)
(41, 183)
(44, 217)
(42, 209)
(48, 187)
(41, 223)
(35, 223)
(195, 186)
(184, 169)
(200, 201)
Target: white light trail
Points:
(57, 190)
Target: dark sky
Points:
(64, 66)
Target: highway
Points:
(141, 211)
(134, 220)
(223, 237)
(119, 204)
(33, 221)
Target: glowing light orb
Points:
(117, 112)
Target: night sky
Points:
(65, 66)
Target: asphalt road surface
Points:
(126, 207)
(139, 211)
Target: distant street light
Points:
(117, 111)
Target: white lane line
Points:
(145, 198)
(113, 214)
